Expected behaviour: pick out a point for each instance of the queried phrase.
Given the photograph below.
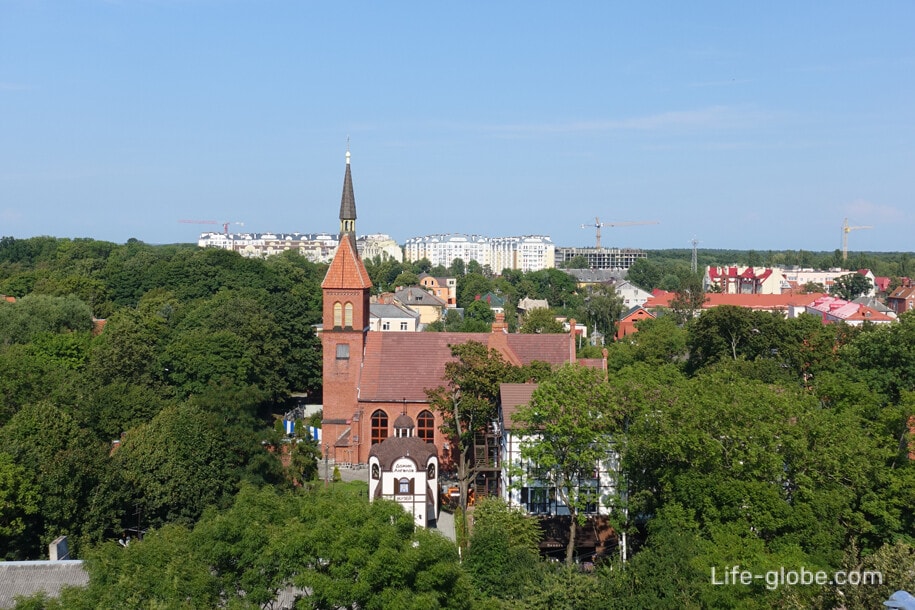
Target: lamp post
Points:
(326, 449)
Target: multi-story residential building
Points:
(601, 258)
(380, 245)
(526, 253)
(745, 280)
(798, 278)
(317, 247)
(443, 249)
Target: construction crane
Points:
(598, 224)
(225, 225)
(846, 229)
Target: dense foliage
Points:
(161, 414)
(744, 439)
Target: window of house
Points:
(403, 326)
(405, 486)
(343, 351)
(338, 315)
(385, 326)
(425, 426)
(348, 315)
(379, 426)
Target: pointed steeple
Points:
(348, 203)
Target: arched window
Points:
(425, 426)
(379, 426)
(338, 315)
(348, 315)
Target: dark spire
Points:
(348, 203)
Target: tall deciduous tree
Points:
(467, 403)
(568, 427)
(504, 550)
(541, 320)
(850, 286)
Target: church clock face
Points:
(430, 472)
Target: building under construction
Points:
(601, 258)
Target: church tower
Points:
(346, 289)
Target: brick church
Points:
(372, 377)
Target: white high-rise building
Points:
(527, 253)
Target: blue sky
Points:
(743, 125)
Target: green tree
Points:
(18, 504)
(542, 321)
(645, 274)
(467, 403)
(177, 465)
(850, 286)
(32, 315)
(688, 301)
(603, 309)
(504, 556)
(568, 427)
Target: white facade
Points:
(522, 485)
(825, 278)
(391, 317)
(526, 253)
(631, 294)
(380, 245)
(317, 247)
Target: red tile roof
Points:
(512, 396)
(346, 270)
(768, 302)
(402, 366)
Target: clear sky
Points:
(741, 124)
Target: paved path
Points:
(445, 524)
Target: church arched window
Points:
(379, 426)
(348, 315)
(425, 426)
(338, 315)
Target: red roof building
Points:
(371, 378)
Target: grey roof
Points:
(873, 303)
(595, 276)
(417, 295)
(389, 310)
(348, 201)
(29, 577)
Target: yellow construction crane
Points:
(598, 224)
(846, 229)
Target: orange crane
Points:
(225, 225)
(846, 229)
(598, 224)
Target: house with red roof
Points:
(788, 304)
(902, 299)
(744, 280)
(626, 324)
(833, 309)
(371, 378)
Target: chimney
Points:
(499, 326)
